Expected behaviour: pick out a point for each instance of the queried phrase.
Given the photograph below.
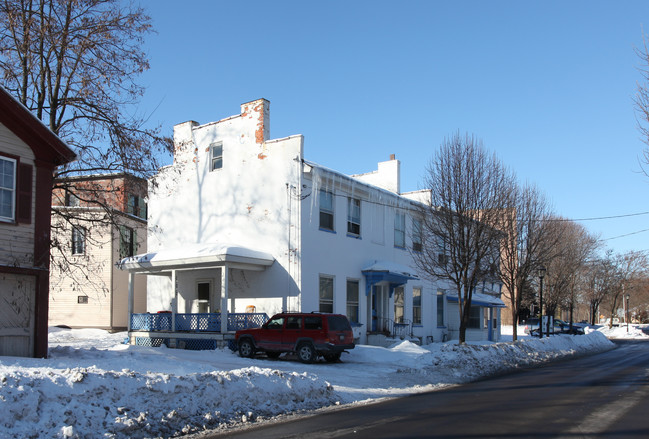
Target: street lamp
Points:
(542, 271)
(626, 317)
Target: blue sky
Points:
(547, 85)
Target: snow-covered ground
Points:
(93, 385)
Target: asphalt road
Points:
(599, 396)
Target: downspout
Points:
(224, 299)
(131, 287)
(174, 301)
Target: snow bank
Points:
(81, 402)
(93, 385)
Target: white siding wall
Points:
(17, 241)
(17, 292)
(251, 201)
(107, 291)
(342, 256)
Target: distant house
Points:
(242, 222)
(29, 152)
(99, 220)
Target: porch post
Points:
(131, 289)
(174, 301)
(224, 299)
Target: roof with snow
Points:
(481, 299)
(195, 256)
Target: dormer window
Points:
(216, 156)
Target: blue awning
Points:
(479, 299)
(385, 271)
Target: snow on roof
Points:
(195, 255)
(481, 299)
(391, 267)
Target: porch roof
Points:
(381, 271)
(481, 299)
(196, 256)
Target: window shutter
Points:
(24, 194)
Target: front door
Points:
(379, 308)
(203, 290)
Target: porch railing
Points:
(196, 322)
(393, 329)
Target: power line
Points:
(606, 217)
(625, 235)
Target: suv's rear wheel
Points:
(306, 353)
(246, 348)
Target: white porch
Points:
(211, 319)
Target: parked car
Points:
(560, 327)
(309, 335)
(531, 324)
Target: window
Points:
(312, 322)
(398, 305)
(71, 200)
(352, 301)
(354, 216)
(400, 230)
(326, 210)
(7, 189)
(216, 156)
(15, 190)
(127, 242)
(440, 308)
(78, 240)
(416, 234)
(136, 206)
(326, 294)
(276, 323)
(203, 290)
(294, 322)
(416, 305)
(82, 299)
(442, 256)
(474, 318)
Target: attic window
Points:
(216, 156)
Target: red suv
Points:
(309, 335)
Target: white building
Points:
(241, 222)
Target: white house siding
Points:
(265, 197)
(119, 278)
(342, 256)
(17, 241)
(107, 288)
(251, 201)
(17, 292)
(473, 334)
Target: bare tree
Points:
(630, 267)
(73, 63)
(642, 104)
(568, 257)
(469, 189)
(526, 241)
(601, 279)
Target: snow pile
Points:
(81, 401)
(93, 385)
(633, 331)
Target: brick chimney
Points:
(259, 111)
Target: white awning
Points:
(480, 299)
(197, 256)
